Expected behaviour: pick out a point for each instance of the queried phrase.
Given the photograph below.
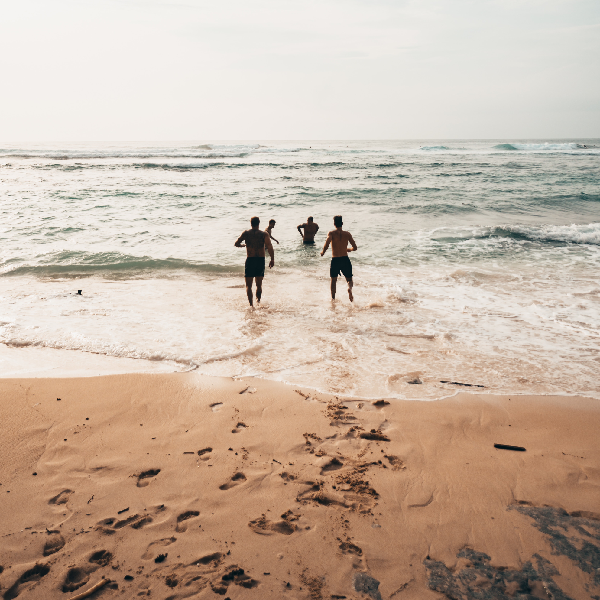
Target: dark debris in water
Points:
(574, 535)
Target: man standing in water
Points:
(256, 240)
(339, 240)
(310, 230)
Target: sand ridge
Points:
(183, 486)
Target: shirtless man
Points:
(270, 228)
(339, 240)
(256, 240)
(310, 230)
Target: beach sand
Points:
(181, 485)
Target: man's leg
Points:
(258, 288)
(333, 287)
(350, 284)
(249, 289)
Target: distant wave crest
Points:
(76, 264)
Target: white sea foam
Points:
(472, 267)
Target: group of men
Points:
(256, 241)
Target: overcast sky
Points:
(289, 69)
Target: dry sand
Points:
(177, 486)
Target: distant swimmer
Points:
(310, 230)
(256, 240)
(270, 228)
(339, 240)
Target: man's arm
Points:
(274, 238)
(270, 250)
(299, 228)
(238, 243)
(327, 242)
(317, 228)
(352, 242)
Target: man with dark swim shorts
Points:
(256, 240)
(310, 230)
(339, 240)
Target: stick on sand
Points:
(89, 592)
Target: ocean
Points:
(478, 262)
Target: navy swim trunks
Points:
(255, 266)
(343, 264)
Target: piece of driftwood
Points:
(89, 592)
(465, 384)
(507, 447)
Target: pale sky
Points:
(82, 70)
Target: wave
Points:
(75, 264)
(566, 234)
(435, 148)
(542, 147)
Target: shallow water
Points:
(477, 262)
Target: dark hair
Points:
(337, 220)
(254, 221)
(271, 221)
(310, 218)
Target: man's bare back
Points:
(340, 263)
(339, 240)
(310, 230)
(256, 241)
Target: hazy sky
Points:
(291, 69)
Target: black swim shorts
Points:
(311, 242)
(255, 266)
(343, 264)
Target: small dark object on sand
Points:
(128, 578)
(160, 558)
(35, 474)
(465, 384)
(58, 399)
(79, 292)
(189, 453)
(507, 447)
(120, 512)
(415, 381)
(204, 451)
(380, 403)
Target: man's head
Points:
(310, 219)
(272, 222)
(254, 221)
(337, 221)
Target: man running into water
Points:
(310, 230)
(256, 240)
(270, 228)
(339, 240)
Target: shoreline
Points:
(256, 489)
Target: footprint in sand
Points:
(26, 580)
(235, 480)
(348, 547)
(212, 560)
(216, 406)
(54, 543)
(239, 427)
(61, 498)
(111, 525)
(286, 526)
(395, 462)
(204, 454)
(101, 557)
(330, 464)
(74, 579)
(183, 517)
(150, 552)
(142, 478)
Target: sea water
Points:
(477, 263)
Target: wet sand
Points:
(180, 485)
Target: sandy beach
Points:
(182, 485)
